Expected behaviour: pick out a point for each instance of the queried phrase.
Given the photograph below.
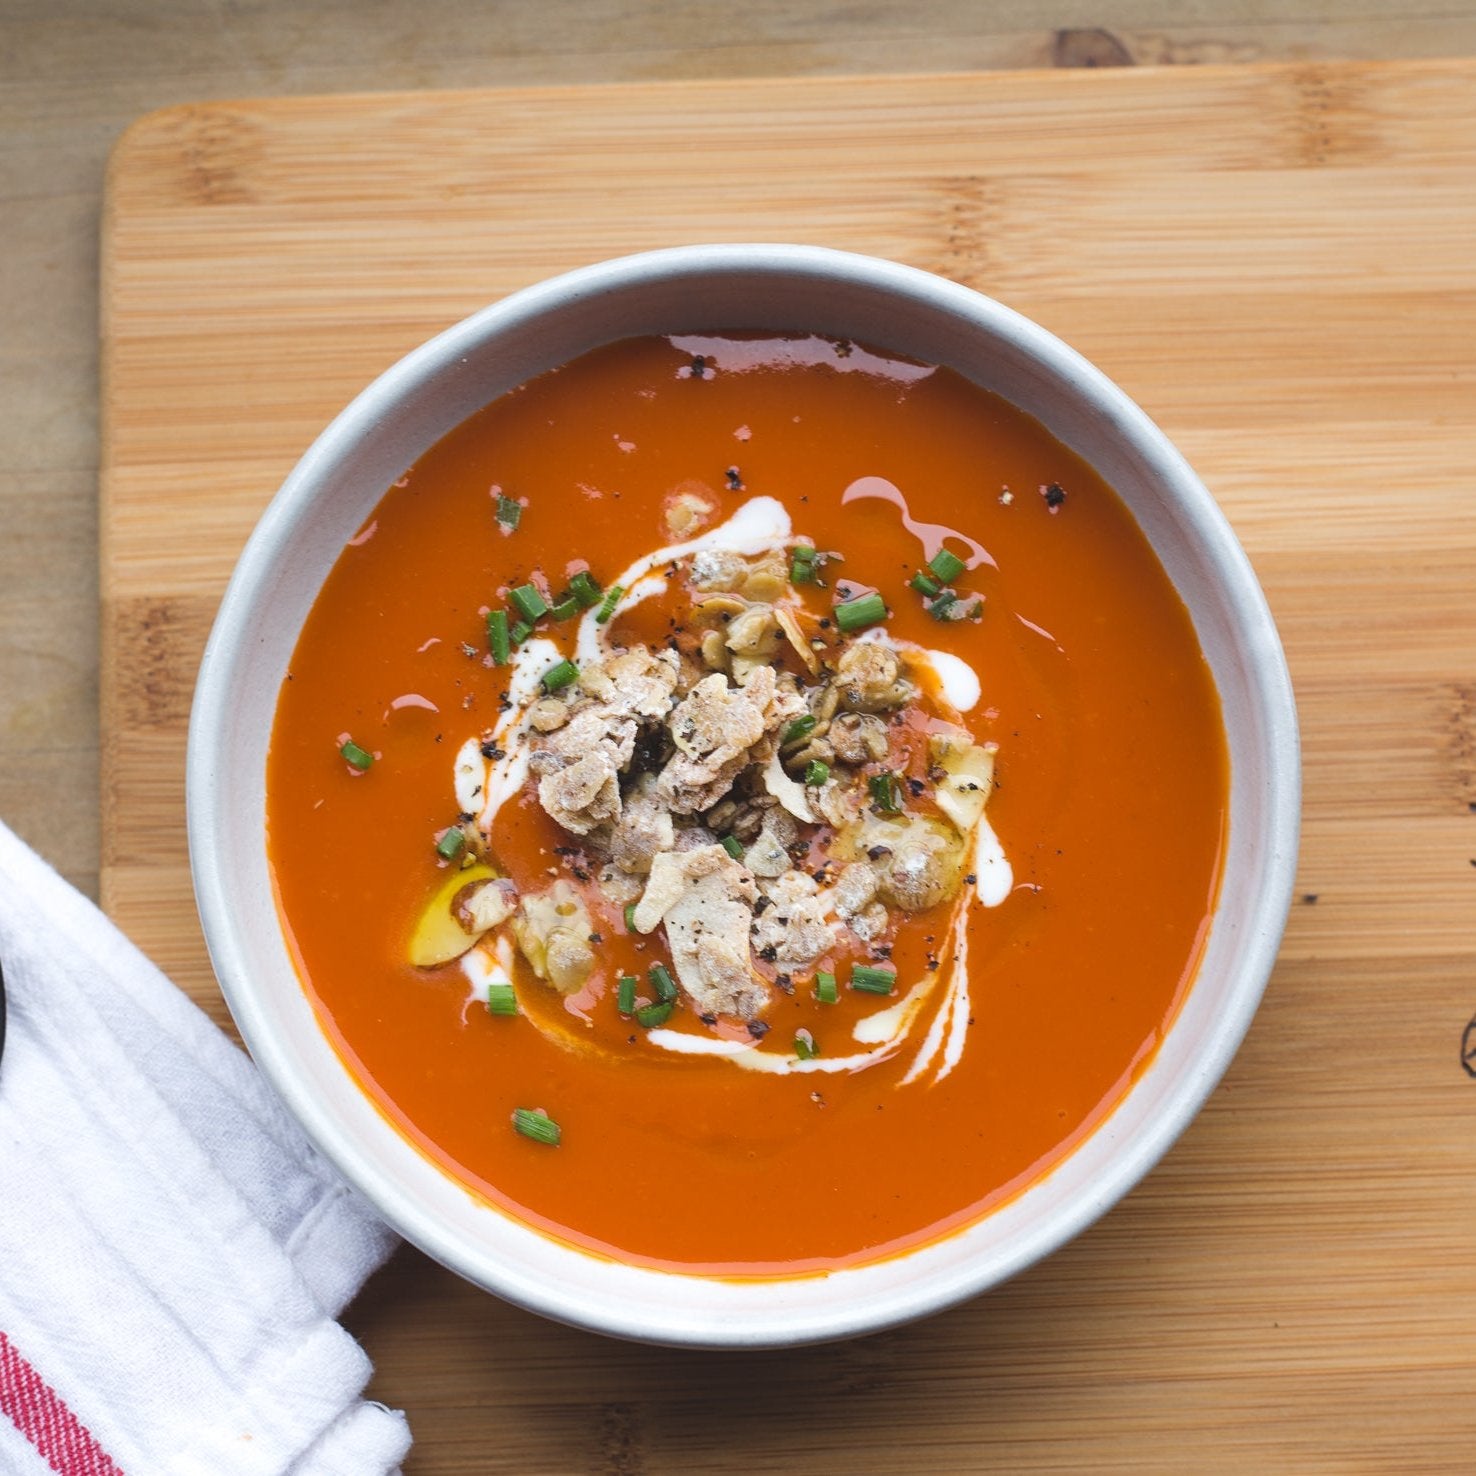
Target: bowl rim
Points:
(417, 372)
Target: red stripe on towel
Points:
(41, 1415)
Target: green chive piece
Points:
(520, 632)
(663, 983)
(817, 771)
(733, 846)
(499, 639)
(886, 793)
(630, 917)
(946, 565)
(556, 678)
(825, 990)
(804, 1046)
(530, 604)
(360, 758)
(509, 511)
(652, 1015)
(976, 610)
(802, 573)
(449, 846)
(501, 1000)
(870, 980)
(536, 1124)
(565, 608)
(613, 596)
(804, 552)
(858, 614)
(625, 994)
(939, 609)
(799, 728)
(923, 585)
(585, 588)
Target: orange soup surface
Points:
(814, 869)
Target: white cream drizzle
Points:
(489, 962)
(887, 1024)
(884, 1030)
(751, 1058)
(959, 680)
(994, 877)
(505, 777)
(955, 1008)
(993, 882)
(762, 523)
(642, 589)
(471, 778)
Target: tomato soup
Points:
(747, 804)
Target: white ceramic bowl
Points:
(327, 498)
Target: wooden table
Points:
(1277, 263)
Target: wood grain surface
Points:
(1275, 262)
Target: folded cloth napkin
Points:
(173, 1252)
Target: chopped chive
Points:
(872, 980)
(939, 609)
(499, 639)
(733, 846)
(799, 727)
(804, 552)
(556, 678)
(509, 511)
(360, 758)
(607, 605)
(536, 1124)
(804, 1045)
(801, 572)
(630, 917)
(886, 793)
(530, 604)
(501, 1000)
(662, 983)
(976, 610)
(564, 608)
(946, 565)
(449, 846)
(858, 614)
(585, 588)
(825, 990)
(625, 994)
(923, 585)
(817, 771)
(520, 632)
(652, 1015)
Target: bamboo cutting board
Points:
(1278, 264)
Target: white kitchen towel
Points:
(173, 1252)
